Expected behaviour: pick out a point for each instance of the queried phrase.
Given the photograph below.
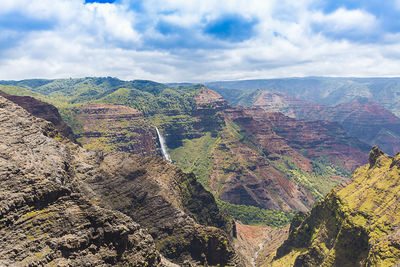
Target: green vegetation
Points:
(175, 128)
(319, 182)
(196, 156)
(20, 91)
(137, 94)
(166, 106)
(256, 216)
(322, 166)
(168, 101)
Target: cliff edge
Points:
(358, 225)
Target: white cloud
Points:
(344, 20)
(114, 20)
(112, 40)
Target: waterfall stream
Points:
(163, 146)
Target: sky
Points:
(198, 41)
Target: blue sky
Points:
(197, 41)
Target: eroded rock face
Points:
(45, 214)
(116, 128)
(209, 111)
(241, 175)
(315, 138)
(237, 167)
(42, 110)
(357, 225)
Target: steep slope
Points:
(45, 215)
(57, 202)
(310, 138)
(115, 128)
(367, 121)
(292, 107)
(362, 118)
(42, 110)
(315, 139)
(357, 225)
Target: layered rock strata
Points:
(363, 118)
(116, 128)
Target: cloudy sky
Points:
(197, 41)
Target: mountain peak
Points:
(208, 96)
(375, 153)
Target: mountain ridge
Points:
(329, 91)
(356, 225)
(364, 118)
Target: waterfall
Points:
(163, 146)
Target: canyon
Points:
(261, 163)
(248, 156)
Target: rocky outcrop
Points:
(45, 215)
(357, 225)
(374, 155)
(42, 110)
(210, 98)
(115, 128)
